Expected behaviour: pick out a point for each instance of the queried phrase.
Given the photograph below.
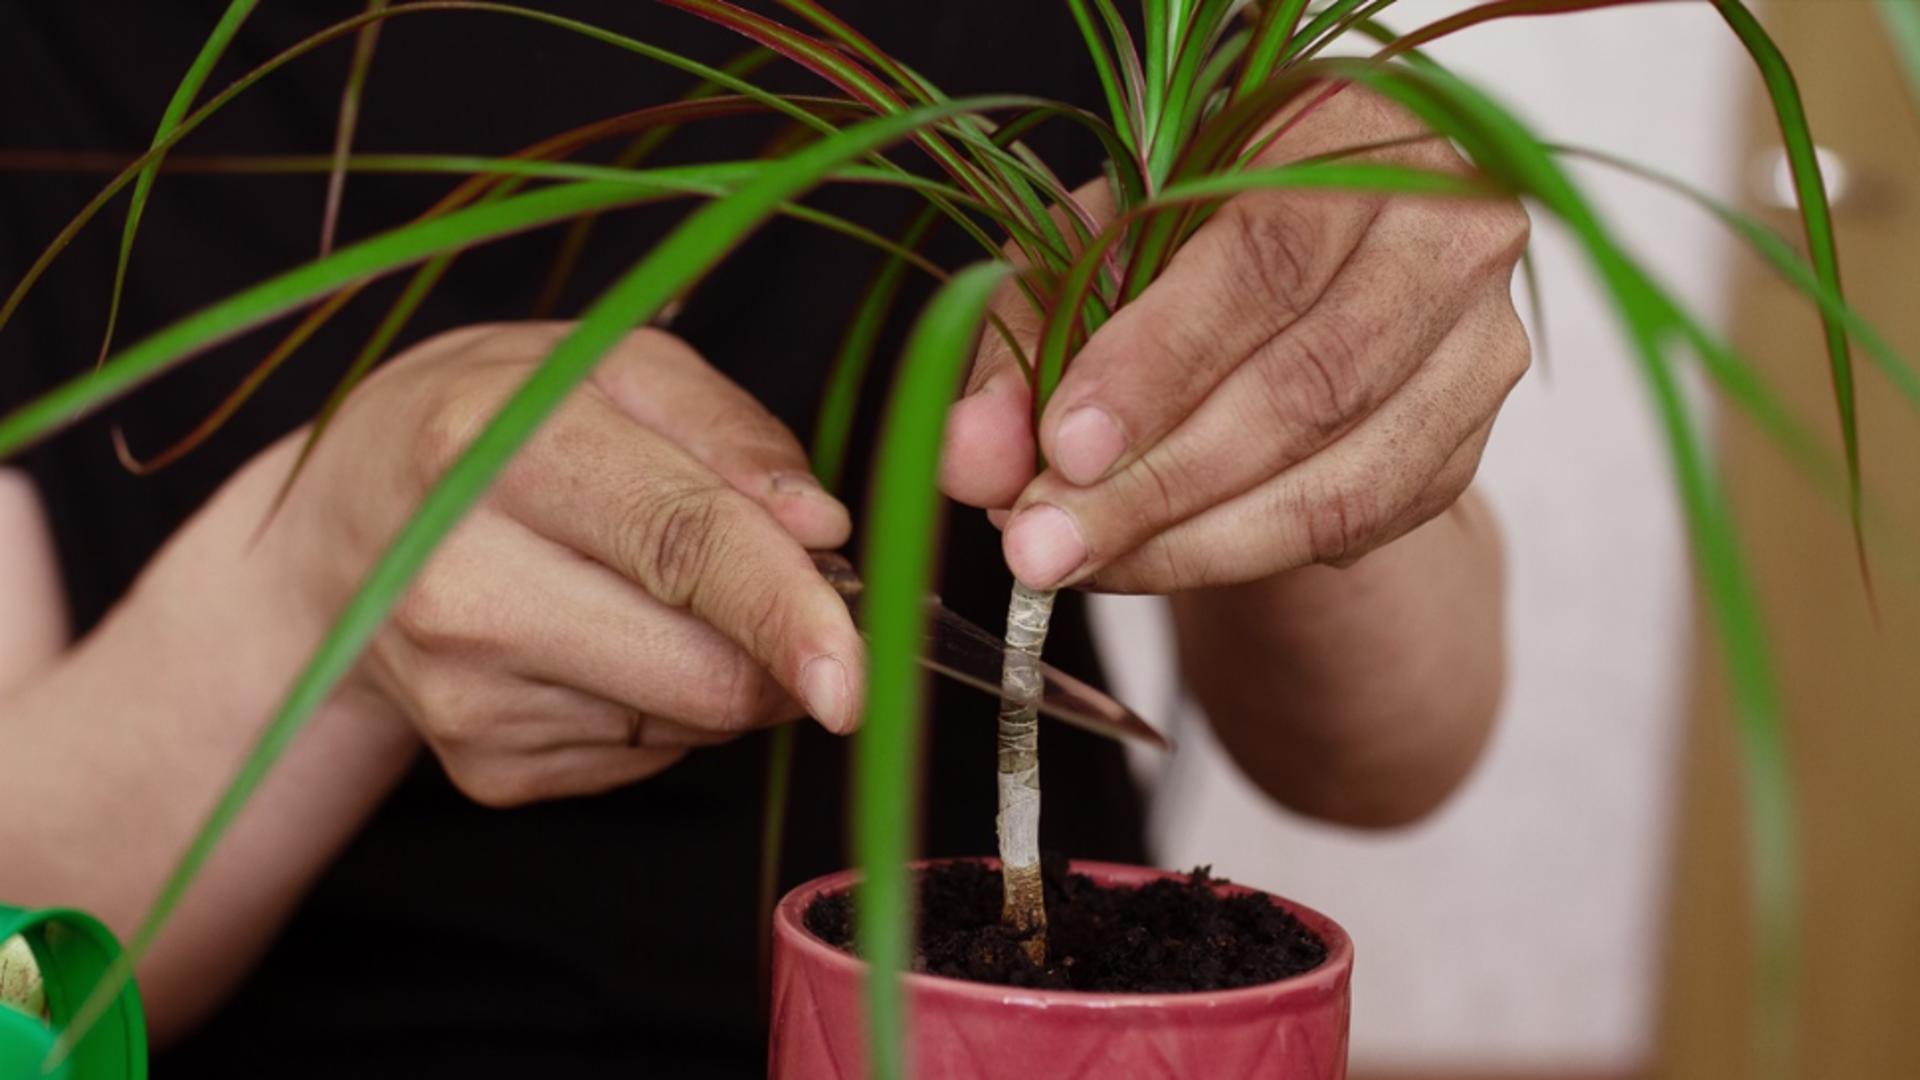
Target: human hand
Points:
(636, 584)
(1315, 375)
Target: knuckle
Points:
(1513, 350)
(746, 424)
(740, 696)
(457, 411)
(458, 339)
(767, 619)
(1162, 335)
(523, 340)
(1453, 481)
(1510, 226)
(433, 617)
(1340, 524)
(495, 785)
(1157, 487)
(449, 716)
(650, 763)
(1313, 381)
(447, 613)
(672, 540)
(1177, 568)
(1496, 232)
(1274, 237)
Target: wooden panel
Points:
(1852, 689)
(1547, 1073)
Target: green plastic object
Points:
(73, 950)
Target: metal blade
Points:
(965, 653)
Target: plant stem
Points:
(1024, 910)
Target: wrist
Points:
(259, 590)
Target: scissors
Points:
(967, 654)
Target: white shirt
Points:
(1522, 924)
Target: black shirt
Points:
(609, 936)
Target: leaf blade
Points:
(182, 100)
(903, 510)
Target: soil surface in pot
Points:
(1171, 935)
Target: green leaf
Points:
(1792, 267)
(1656, 327)
(1060, 337)
(1278, 22)
(834, 427)
(177, 106)
(1902, 19)
(1816, 218)
(1195, 47)
(349, 120)
(644, 144)
(491, 179)
(130, 368)
(389, 251)
(1119, 106)
(909, 82)
(903, 514)
(1536, 309)
(1327, 26)
(828, 456)
(1155, 16)
(306, 45)
(774, 795)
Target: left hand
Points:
(1314, 375)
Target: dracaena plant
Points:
(1192, 90)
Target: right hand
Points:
(636, 584)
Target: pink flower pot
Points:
(1294, 1029)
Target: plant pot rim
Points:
(1327, 978)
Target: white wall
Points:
(1522, 923)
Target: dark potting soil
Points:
(1171, 935)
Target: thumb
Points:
(988, 456)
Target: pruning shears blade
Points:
(967, 654)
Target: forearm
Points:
(1361, 695)
(33, 620)
(116, 752)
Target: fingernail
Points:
(998, 518)
(1044, 546)
(1088, 443)
(823, 687)
(796, 483)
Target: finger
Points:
(988, 455)
(506, 781)
(1363, 491)
(1174, 563)
(660, 381)
(502, 599)
(622, 495)
(1260, 263)
(1377, 323)
(1444, 490)
(989, 451)
(473, 714)
(576, 623)
(467, 708)
(535, 718)
(656, 733)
